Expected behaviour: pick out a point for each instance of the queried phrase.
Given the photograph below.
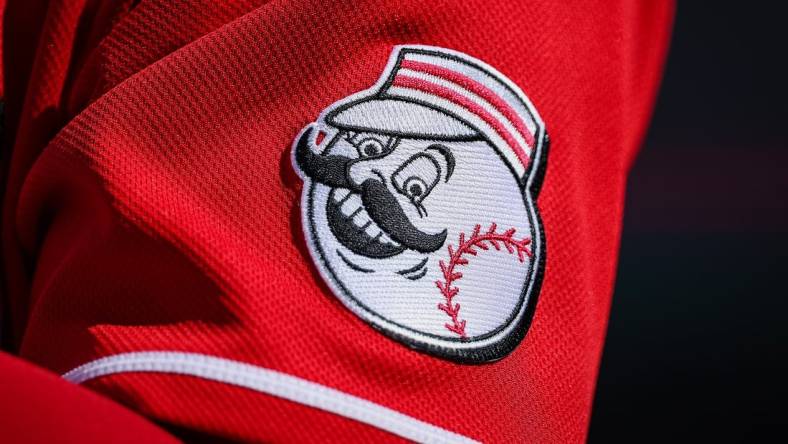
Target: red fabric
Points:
(151, 204)
(39, 407)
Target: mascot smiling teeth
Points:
(418, 204)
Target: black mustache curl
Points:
(329, 170)
(384, 209)
(381, 205)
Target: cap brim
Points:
(401, 118)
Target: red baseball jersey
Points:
(345, 221)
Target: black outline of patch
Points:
(507, 344)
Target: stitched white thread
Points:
(441, 143)
(270, 382)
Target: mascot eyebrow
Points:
(446, 152)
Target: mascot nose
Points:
(362, 170)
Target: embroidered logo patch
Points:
(418, 204)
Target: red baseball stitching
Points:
(455, 259)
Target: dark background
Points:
(697, 332)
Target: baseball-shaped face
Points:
(431, 241)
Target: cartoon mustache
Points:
(381, 205)
(329, 170)
(384, 209)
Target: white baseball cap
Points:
(445, 95)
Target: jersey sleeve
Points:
(158, 205)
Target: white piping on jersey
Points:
(270, 382)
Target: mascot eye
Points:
(370, 147)
(415, 188)
(416, 178)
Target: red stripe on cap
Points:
(404, 81)
(477, 88)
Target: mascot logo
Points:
(418, 204)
